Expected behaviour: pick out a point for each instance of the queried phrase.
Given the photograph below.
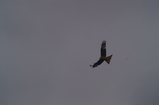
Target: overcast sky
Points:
(46, 47)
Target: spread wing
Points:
(100, 61)
(103, 49)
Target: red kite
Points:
(103, 56)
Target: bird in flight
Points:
(102, 56)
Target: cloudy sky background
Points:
(46, 47)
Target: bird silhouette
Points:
(102, 56)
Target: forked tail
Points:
(108, 59)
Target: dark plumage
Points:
(102, 56)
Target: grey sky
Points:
(46, 47)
